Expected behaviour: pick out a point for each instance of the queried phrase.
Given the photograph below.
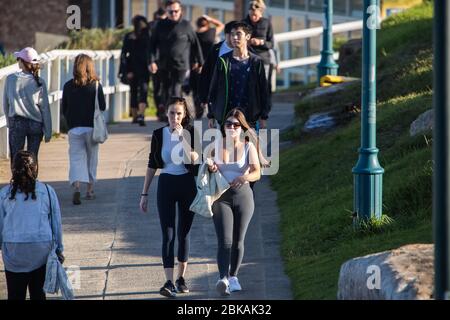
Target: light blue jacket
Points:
(28, 221)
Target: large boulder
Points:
(423, 123)
(406, 273)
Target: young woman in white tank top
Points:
(238, 162)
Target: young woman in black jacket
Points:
(176, 186)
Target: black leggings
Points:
(17, 284)
(138, 92)
(232, 213)
(173, 189)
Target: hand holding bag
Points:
(100, 132)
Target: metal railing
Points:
(56, 70)
(310, 33)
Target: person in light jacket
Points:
(25, 231)
(78, 106)
(236, 157)
(26, 106)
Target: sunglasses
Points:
(230, 124)
(173, 11)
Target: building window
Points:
(356, 7)
(340, 7)
(297, 4)
(277, 3)
(316, 5)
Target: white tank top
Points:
(232, 170)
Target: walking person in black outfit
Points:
(239, 81)
(261, 40)
(158, 15)
(176, 186)
(134, 67)
(174, 47)
(207, 37)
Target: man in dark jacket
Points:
(174, 47)
(239, 81)
(219, 49)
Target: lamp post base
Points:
(368, 185)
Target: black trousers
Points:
(173, 190)
(17, 284)
(138, 92)
(172, 82)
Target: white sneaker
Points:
(223, 287)
(234, 284)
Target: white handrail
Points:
(314, 32)
(303, 61)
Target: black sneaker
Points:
(181, 285)
(168, 290)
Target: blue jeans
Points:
(21, 129)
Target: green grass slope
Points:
(315, 182)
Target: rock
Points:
(323, 91)
(406, 273)
(350, 52)
(423, 123)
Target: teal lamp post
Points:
(441, 136)
(368, 173)
(327, 66)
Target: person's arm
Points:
(45, 110)
(144, 196)
(219, 25)
(123, 57)
(56, 220)
(151, 171)
(2, 215)
(101, 98)
(6, 103)
(254, 169)
(263, 92)
(196, 49)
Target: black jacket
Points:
(174, 45)
(155, 160)
(78, 104)
(258, 96)
(207, 71)
(262, 30)
(135, 56)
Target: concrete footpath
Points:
(117, 248)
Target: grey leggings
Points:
(232, 214)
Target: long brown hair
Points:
(84, 70)
(32, 68)
(24, 174)
(250, 134)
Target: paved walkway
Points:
(118, 248)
